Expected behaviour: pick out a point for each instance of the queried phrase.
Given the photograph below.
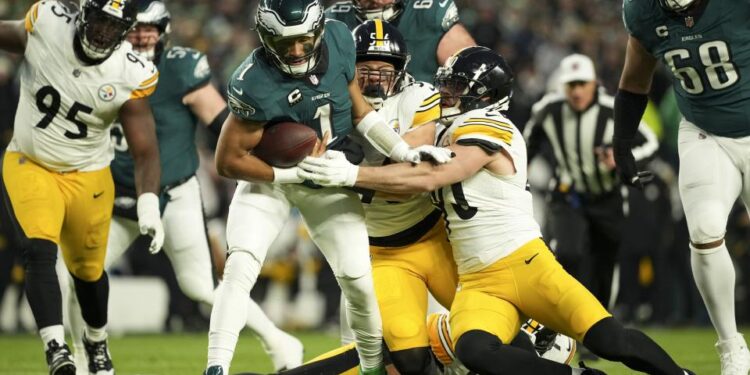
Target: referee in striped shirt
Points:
(586, 206)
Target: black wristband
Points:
(629, 108)
(218, 121)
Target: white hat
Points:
(576, 67)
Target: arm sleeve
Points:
(31, 16)
(147, 86)
(646, 144)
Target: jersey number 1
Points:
(48, 102)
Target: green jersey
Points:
(708, 53)
(181, 70)
(422, 24)
(258, 91)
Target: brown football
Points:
(285, 144)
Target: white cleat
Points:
(734, 356)
(286, 352)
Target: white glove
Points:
(438, 155)
(331, 169)
(149, 220)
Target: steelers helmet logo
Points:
(107, 92)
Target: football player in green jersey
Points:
(304, 73)
(184, 97)
(706, 45)
(430, 27)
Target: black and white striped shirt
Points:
(574, 138)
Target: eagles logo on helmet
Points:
(102, 26)
(291, 32)
(369, 10)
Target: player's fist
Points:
(403, 153)
(625, 163)
(149, 220)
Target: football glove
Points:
(330, 169)
(149, 220)
(437, 155)
(625, 163)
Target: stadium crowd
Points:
(655, 283)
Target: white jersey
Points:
(488, 216)
(417, 104)
(66, 107)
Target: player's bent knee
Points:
(404, 332)
(413, 361)
(241, 269)
(707, 225)
(706, 248)
(87, 271)
(197, 289)
(473, 347)
(607, 339)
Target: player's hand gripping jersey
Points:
(488, 216)
(417, 104)
(66, 107)
(709, 56)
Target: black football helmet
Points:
(677, 6)
(388, 12)
(102, 26)
(474, 77)
(155, 13)
(283, 24)
(380, 41)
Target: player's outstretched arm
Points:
(13, 36)
(454, 40)
(140, 131)
(630, 103)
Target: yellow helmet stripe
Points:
(379, 32)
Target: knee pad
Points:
(241, 269)
(404, 331)
(414, 361)
(707, 223)
(88, 271)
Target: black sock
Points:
(93, 298)
(523, 341)
(42, 287)
(484, 353)
(414, 361)
(610, 340)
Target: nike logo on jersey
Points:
(238, 92)
(527, 261)
(97, 195)
(443, 3)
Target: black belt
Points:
(408, 236)
(177, 183)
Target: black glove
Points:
(626, 167)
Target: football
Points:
(285, 144)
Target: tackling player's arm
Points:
(208, 106)
(454, 40)
(630, 104)
(13, 36)
(140, 132)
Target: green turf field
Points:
(186, 354)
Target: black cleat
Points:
(214, 370)
(59, 359)
(590, 371)
(100, 361)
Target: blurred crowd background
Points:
(298, 291)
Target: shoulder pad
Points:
(482, 126)
(437, 14)
(242, 97)
(339, 9)
(43, 15)
(420, 102)
(190, 65)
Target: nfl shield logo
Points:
(314, 79)
(689, 21)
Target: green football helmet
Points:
(291, 32)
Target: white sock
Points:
(713, 272)
(96, 334)
(230, 310)
(49, 333)
(75, 320)
(364, 319)
(259, 323)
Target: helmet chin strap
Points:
(146, 54)
(375, 102)
(387, 13)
